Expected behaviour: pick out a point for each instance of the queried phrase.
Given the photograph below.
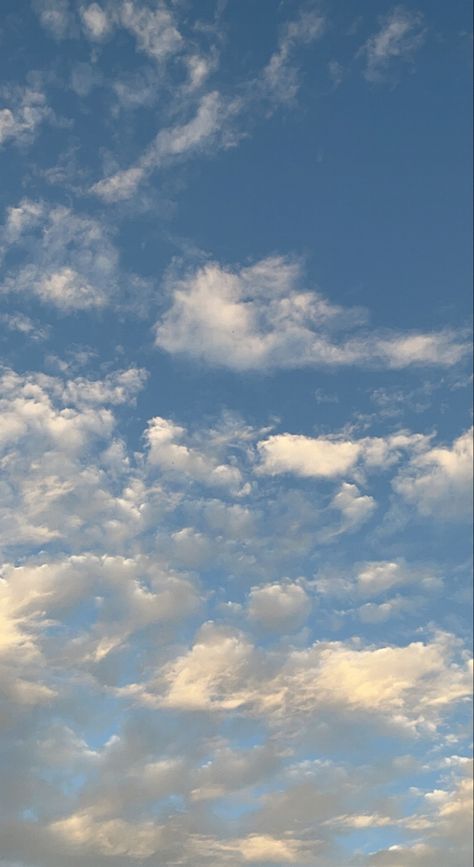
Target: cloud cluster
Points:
(165, 697)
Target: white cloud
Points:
(259, 318)
(28, 111)
(66, 259)
(400, 35)
(307, 456)
(354, 506)
(154, 29)
(206, 128)
(168, 453)
(438, 482)
(24, 325)
(280, 76)
(279, 607)
(95, 21)
(407, 686)
(110, 837)
(256, 848)
(332, 457)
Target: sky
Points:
(235, 435)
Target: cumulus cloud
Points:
(355, 507)
(329, 458)
(400, 35)
(408, 686)
(259, 318)
(98, 609)
(168, 453)
(438, 482)
(279, 607)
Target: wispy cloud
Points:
(400, 35)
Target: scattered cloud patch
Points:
(400, 35)
(259, 318)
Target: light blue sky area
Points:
(235, 442)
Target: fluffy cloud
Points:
(95, 21)
(167, 452)
(354, 506)
(407, 685)
(259, 318)
(439, 481)
(279, 607)
(329, 458)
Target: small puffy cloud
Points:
(22, 324)
(438, 482)
(324, 457)
(95, 20)
(376, 577)
(20, 121)
(279, 607)
(307, 456)
(355, 507)
(259, 318)
(55, 16)
(154, 29)
(167, 452)
(400, 35)
(373, 612)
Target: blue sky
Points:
(236, 440)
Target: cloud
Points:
(55, 16)
(258, 318)
(400, 35)
(438, 482)
(170, 455)
(28, 112)
(408, 686)
(330, 457)
(257, 848)
(354, 506)
(66, 259)
(279, 79)
(447, 825)
(279, 607)
(22, 324)
(207, 128)
(96, 22)
(154, 29)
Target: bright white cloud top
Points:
(235, 435)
